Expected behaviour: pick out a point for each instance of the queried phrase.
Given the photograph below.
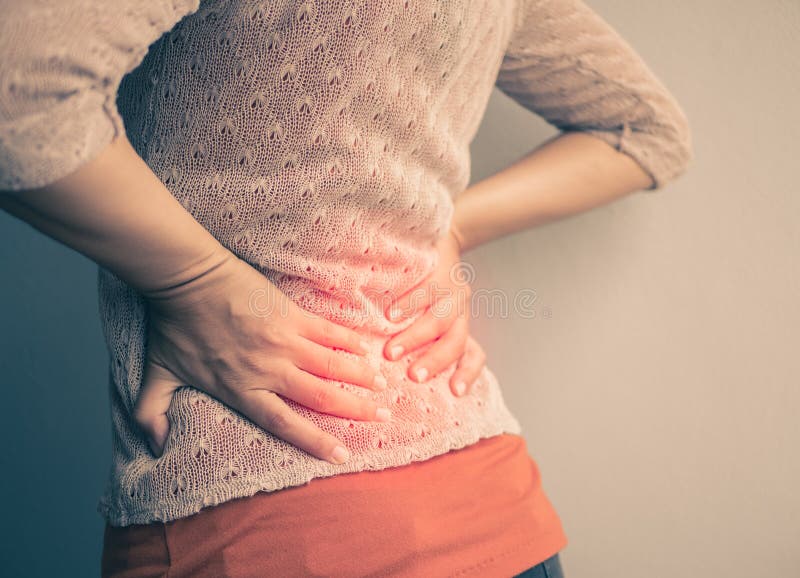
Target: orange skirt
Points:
(476, 511)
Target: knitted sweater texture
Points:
(323, 143)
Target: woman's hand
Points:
(445, 298)
(214, 322)
(234, 335)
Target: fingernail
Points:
(395, 351)
(460, 387)
(421, 373)
(364, 346)
(379, 382)
(383, 414)
(340, 455)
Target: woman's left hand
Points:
(446, 300)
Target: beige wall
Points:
(660, 398)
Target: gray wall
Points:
(656, 385)
(56, 421)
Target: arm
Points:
(114, 210)
(622, 131)
(63, 61)
(58, 115)
(67, 168)
(201, 327)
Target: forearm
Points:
(117, 212)
(568, 174)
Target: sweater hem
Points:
(302, 472)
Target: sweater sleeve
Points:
(63, 61)
(568, 65)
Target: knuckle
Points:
(278, 421)
(321, 444)
(331, 365)
(451, 356)
(353, 339)
(461, 344)
(271, 334)
(280, 378)
(441, 309)
(368, 375)
(257, 364)
(358, 369)
(442, 322)
(368, 409)
(322, 398)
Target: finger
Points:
(269, 411)
(468, 369)
(444, 351)
(324, 362)
(424, 329)
(330, 334)
(150, 410)
(324, 397)
(412, 301)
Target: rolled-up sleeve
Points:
(62, 63)
(568, 65)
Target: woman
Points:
(267, 185)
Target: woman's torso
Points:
(322, 143)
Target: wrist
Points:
(193, 278)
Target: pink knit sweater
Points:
(324, 143)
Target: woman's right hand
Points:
(234, 335)
(207, 326)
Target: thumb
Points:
(150, 411)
